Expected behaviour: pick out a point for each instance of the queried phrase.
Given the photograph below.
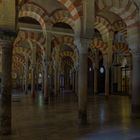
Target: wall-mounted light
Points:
(102, 70)
(90, 69)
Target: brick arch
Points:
(99, 44)
(33, 37)
(19, 57)
(91, 56)
(74, 14)
(121, 27)
(127, 10)
(70, 63)
(62, 16)
(67, 54)
(21, 50)
(18, 61)
(121, 48)
(34, 11)
(68, 40)
(103, 26)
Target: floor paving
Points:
(108, 119)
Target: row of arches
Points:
(61, 46)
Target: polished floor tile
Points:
(108, 119)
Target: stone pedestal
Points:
(5, 101)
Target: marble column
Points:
(26, 72)
(110, 39)
(107, 65)
(130, 84)
(95, 81)
(106, 80)
(82, 83)
(33, 70)
(48, 57)
(73, 81)
(76, 81)
(5, 103)
(33, 81)
(136, 84)
(130, 81)
(96, 70)
(56, 82)
(50, 79)
(45, 82)
(119, 79)
(42, 87)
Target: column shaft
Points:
(33, 83)
(119, 79)
(45, 84)
(5, 110)
(82, 87)
(136, 85)
(95, 81)
(26, 78)
(107, 81)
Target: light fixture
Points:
(101, 70)
(90, 69)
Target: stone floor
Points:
(108, 119)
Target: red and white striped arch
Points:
(33, 37)
(67, 54)
(121, 27)
(61, 40)
(74, 13)
(62, 16)
(121, 48)
(127, 10)
(18, 61)
(103, 26)
(34, 11)
(99, 44)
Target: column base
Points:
(82, 118)
(107, 97)
(46, 100)
(5, 126)
(5, 132)
(136, 111)
(95, 93)
(26, 92)
(33, 95)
